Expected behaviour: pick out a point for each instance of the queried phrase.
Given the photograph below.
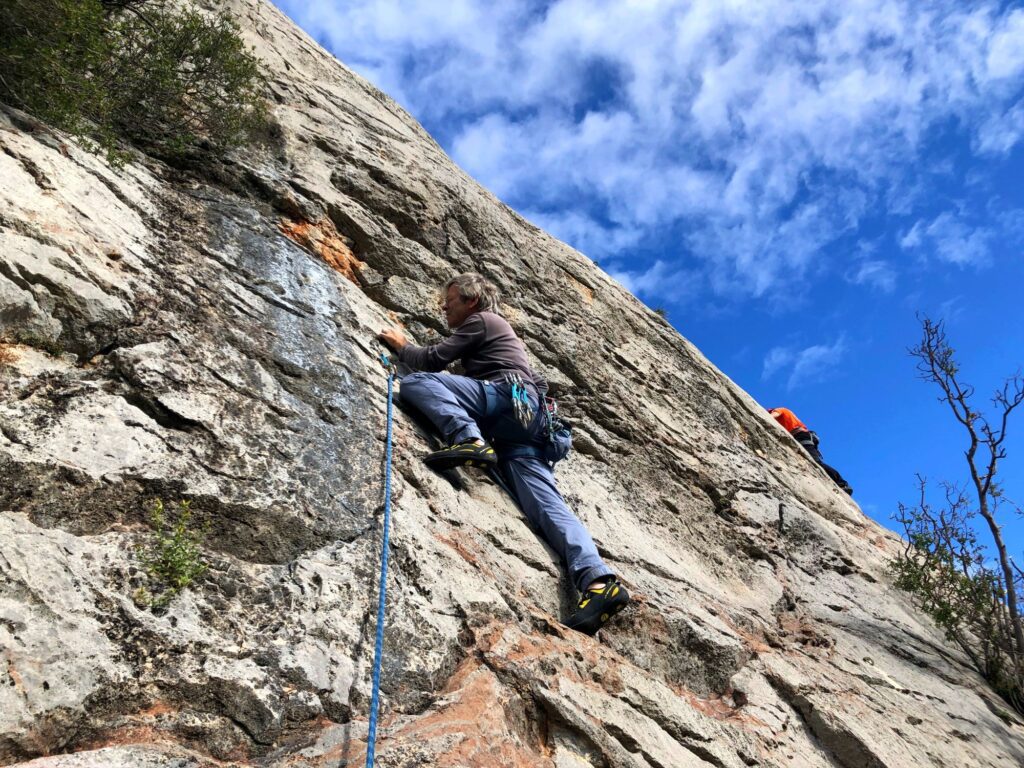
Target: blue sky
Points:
(790, 182)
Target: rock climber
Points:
(492, 416)
(809, 441)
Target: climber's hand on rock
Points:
(393, 338)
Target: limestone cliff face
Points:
(206, 334)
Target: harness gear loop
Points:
(378, 651)
(521, 405)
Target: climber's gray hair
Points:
(475, 286)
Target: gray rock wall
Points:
(206, 334)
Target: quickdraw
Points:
(389, 365)
(552, 417)
(521, 405)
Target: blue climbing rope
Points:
(378, 652)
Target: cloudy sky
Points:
(790, 181)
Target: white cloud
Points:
(584, 233)
(660, 282)
(1001, 133)
(763, 130)
(805, 366)
(912, 239)
(776, 359)
(953, 240)
(1005, 59)
(875, 273)
(1011, 226)
(958, 243)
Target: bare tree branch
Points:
(943, 564)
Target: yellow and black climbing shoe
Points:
(468, 454)
(597, 606)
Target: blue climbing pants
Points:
(464, 409)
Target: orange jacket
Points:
(788, 420)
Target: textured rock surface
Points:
(205, 334)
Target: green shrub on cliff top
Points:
(164, 79)
(50, 52)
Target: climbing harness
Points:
(378, 651)
(521, 405)
(557, 443)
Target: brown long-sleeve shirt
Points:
(486, 345)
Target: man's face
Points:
(456, 309)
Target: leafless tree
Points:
(944, 564)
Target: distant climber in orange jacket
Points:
(809, 441)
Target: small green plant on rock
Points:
(174, 558)
(52, 347)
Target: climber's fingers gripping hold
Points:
(393, 338)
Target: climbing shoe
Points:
(597, 606)
(463, 454)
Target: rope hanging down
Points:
(378, 652)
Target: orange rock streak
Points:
(323, 239)
(474, 722)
